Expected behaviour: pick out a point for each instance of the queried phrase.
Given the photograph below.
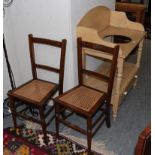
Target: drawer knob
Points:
(136, 76)
(125, 93)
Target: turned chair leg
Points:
(43, 124)
(57, 108)
(13, 111)
(89, 134)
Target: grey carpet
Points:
(134, 114)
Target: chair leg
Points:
(13, 111)
(63, 113)
(108, 121)
(89, 134)
(43, 124)
(57, 112)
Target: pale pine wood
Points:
(126, 48)
(119, 19)
(140, 48)
(100, 22)
(129, 69)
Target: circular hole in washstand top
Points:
(117, 39)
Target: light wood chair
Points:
(36, 93)
(87, 101)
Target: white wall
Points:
(6, 85)
(78, 9)
(55, 19)
(12, 55)
(49, 19)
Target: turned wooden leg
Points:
(117, 90)
(43, 124)
(115, 106)
(89, 134)
(57, 112)
(135, 82)
(139, 55)
(13, 111)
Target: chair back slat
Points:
(100, 76)
(106, 50)
(53, 43)
(47, 42)
(48, 68)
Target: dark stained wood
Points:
(47, 42)
(112, 73)
(73, 126)
(26, 117)
(36, 93)
(32, 56)
(108, 111)
(49, 111)
(143, 146)
(62, 65)
(89, 134)
(48, 68)
(52, 118)
(79, 56)
(86, 101)
(13, 111)
(97, 47)
(57, 118)
(138, 9)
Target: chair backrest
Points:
(143, 146)
(58, 44)
(106, 50)
(136, 8)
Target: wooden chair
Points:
(36, 93)
(134, 11)
(143, 146)
(84, 100)
(129, 1)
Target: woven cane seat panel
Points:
(82, 98)
(36, 90)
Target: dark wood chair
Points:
(134, 11)
(36, 93)
(143, 146)
(85, 101)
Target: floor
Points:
(134, 113)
